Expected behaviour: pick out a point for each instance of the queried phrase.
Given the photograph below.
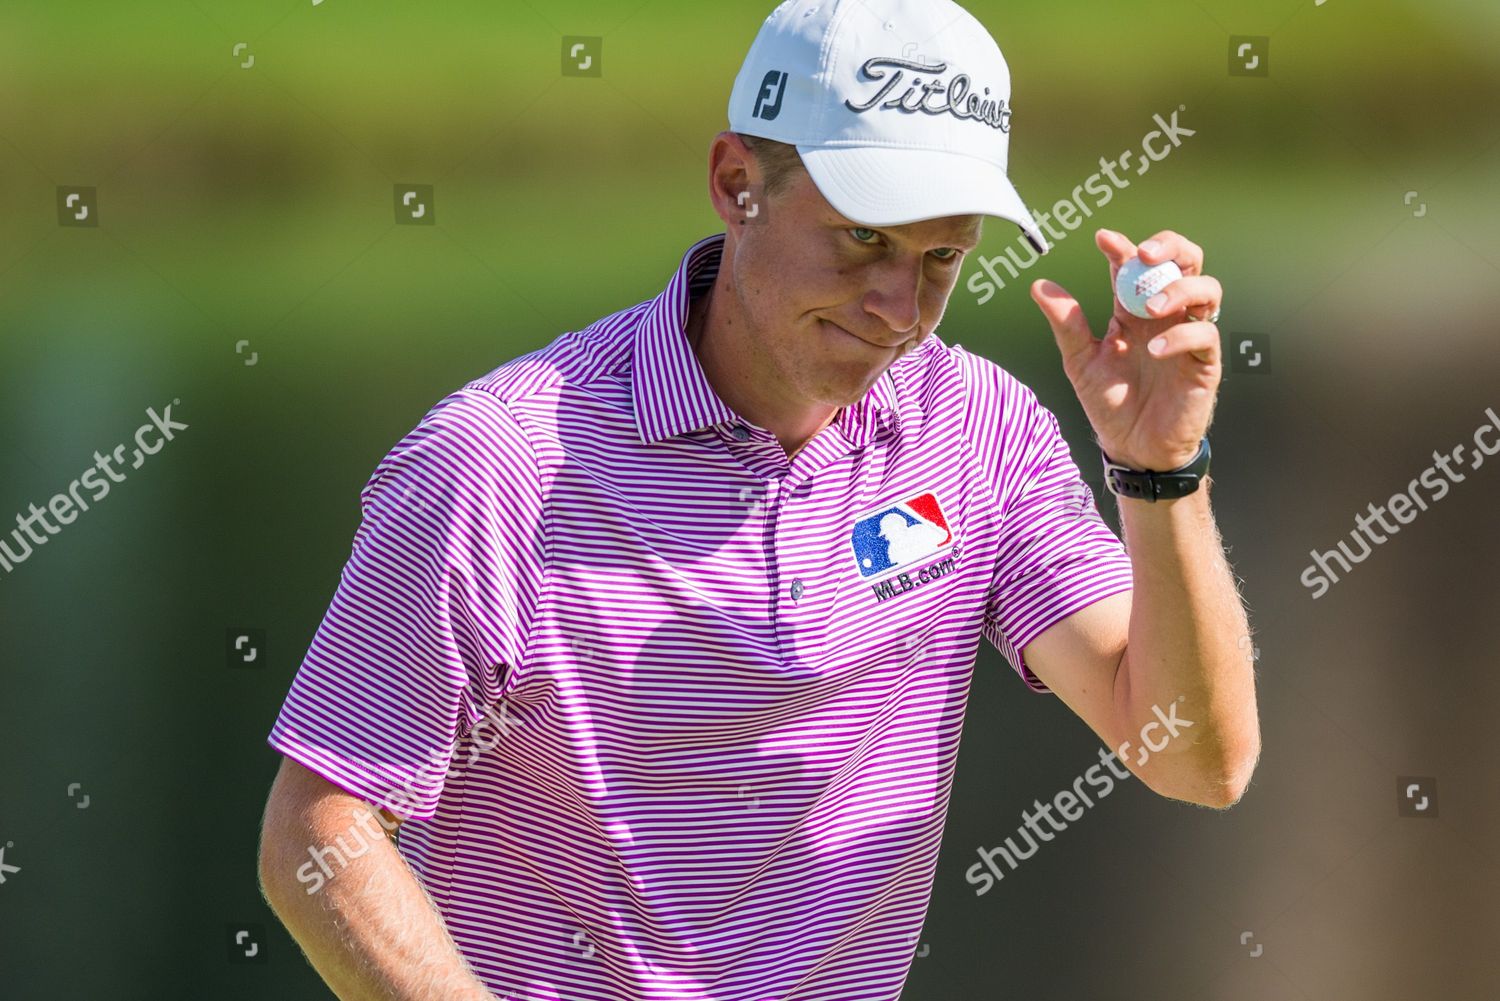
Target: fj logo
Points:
(768, 101)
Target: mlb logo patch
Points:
(899, 535)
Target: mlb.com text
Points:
(903, 582)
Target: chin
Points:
(846, 392)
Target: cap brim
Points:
(889, 186)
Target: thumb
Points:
(1069, 325)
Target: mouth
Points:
(840, 331)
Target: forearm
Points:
(371, 932)
(1188, 643)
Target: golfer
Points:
(646, 674)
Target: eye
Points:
(946, 253)
(865, 236)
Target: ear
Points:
(734, 181)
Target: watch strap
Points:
(1151, 486)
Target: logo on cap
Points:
(955, 98)
(772, 89)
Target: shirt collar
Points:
(874, 414)
(671, 393)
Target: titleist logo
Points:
(956, 97)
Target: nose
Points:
(896, 297)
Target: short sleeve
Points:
(427, 627)
(1055, 554)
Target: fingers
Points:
(1170, 246)
(1195, 292)
(1116, 246)
(1200, 339)
(1069, 326)
(1200, 295)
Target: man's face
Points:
(832, 303)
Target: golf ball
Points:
(1138, 281)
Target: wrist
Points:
(1154, 486)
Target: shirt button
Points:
(797, 589)
(741, 433)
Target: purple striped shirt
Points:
(674, 717)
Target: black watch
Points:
(1122, 481)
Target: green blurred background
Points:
(255, 203)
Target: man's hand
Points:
(1149, 408)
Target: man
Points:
(656, 641)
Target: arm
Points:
(370, 931)
(1177, 633)
(1175, 642)
(418, 642)
(1186, 627)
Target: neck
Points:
(739, 372)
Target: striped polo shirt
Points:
(673, 716)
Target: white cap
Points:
(899, 108)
